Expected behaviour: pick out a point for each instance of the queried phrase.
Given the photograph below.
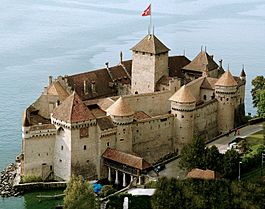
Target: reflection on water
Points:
(31, 201)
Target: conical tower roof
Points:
(243, 74)
(120, 108)
(150, 44)
(73, 110)
(226, 80)
(200, 61)
(183, 95)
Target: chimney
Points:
(220, 63)
(50, 80)
(93, 87)
(121, 55)
(85, 87)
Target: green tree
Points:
(231, 164)
(261, 103)
(213, 159)
(193, 155)
(79, 194)
(258, 84)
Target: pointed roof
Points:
(120, 108)
(243, 74)
(57, 89)
(199, 62)
(183, 95)
(150, 44)
(72, 110)
(226, 80)
(125, 158)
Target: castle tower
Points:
(76, 146)
(122, 115)
(226, 94)
(149, 64)
(183, 106)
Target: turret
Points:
(182, 106)
(226, 94)
(149, 64)
(122, 115)
(243, 75)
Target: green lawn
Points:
(255, 139)
(253, 175)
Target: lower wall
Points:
(206, 124)
(152, 138)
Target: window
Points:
(227, 99)
(62, 147)
(39, 154)
(136, 92)
(60, 160)
(50, 167)
(121, 140)
(83, 132)
(108, 144)
(204, 97)
(182, 116)
(84, 147)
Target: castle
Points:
(116, 121)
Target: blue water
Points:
(58, 37)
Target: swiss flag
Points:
(147, 11)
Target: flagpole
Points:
(150, 24)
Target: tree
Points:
(231, 164)
(258, 95)
(213, 159)
(258, 84)
(261, 103)
(193, 155)
(79, 194)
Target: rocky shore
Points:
(7, 181)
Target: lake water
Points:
(58, 37)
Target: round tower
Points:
(226, 94)
(182, 106)
(122, 115)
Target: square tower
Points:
(149, 64)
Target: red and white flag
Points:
(147, 11)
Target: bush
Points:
(107, 190)
(30, 179)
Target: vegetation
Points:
(191, 193)
(30, 179)
(196, 155)
(107, 190)
(258, 95)
(79, 194)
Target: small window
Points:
(227, 99)
(60, 160)
(124, 130)
(136, 92)
(121, 140)
(84, 147)
(204, 97)
(39, 154)
(50, 167)
(108, 144)
(62, 147)
(182, 116)
(47, 153)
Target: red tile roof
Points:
(150, 44)
(72, 110)
(201, 174)
(120, 108)
(125, 158)
(183, 95)
(199, 62)
(226, 80)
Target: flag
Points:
(147, 11)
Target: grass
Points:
(255, 139)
